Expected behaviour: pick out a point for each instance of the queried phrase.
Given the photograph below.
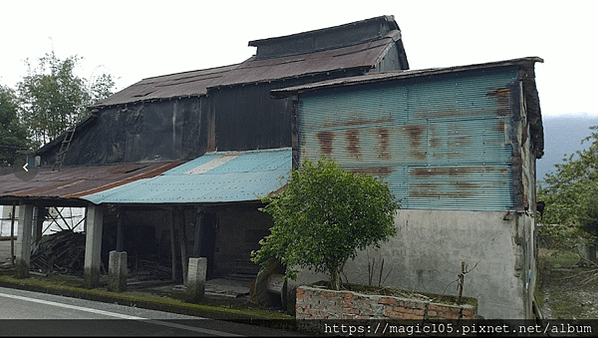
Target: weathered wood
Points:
(183, 245)
(173, 247)
(12, 234)
(461, 282)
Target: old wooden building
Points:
(173, 166)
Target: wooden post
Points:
(119, 230)
(12, 234)
(461, 282)
(183, 244)
(198, 230)
(178, 223)
(173, 247)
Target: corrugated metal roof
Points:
(196, 83)
(213, 177)
(73, 183)
(193, 83)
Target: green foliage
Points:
(52, 97)
(323, 217)
(13, 135)
(559, 237)
(571, 193)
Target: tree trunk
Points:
(335, 279)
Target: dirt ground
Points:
(567, 289)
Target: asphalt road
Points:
(26, 313)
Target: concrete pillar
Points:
(23, 245)
(93, 246)
(117, 271)
(196, 283)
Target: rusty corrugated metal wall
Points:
(441, 142)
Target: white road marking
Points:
(123, 316)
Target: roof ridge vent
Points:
(325, 39)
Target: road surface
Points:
(27, 313)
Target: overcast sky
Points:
(133, 40)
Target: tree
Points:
(13, 135)
(52, 97)
(323, 217)
(571, 193)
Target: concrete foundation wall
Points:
(430, 245)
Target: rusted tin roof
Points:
(211, 178)
(194, 83)
(69, 185)
(365, 54)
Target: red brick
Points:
(437, 307)
(412, 316)
(402, 309)
(449, 315)
(467, 314)
(394, 315)
(455, 309)
(387, 301)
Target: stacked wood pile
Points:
(63, 252)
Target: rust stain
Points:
(352, 136)
(415, 132)
(148, 174)
(431, 190)
(447, 112)
(501, 126)
(383, 135)
(325, 138)
(435, 142)
(357, 122)
(459, 142)
(452, 171)
(379, 171)
(503, 100)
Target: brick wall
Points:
(318, 303)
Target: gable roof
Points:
(320, 51)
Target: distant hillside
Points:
(562, 135)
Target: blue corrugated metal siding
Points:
(440, 142)
(215, 177)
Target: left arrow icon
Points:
(25, 167)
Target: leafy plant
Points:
(52, 97)
(13, 134)
(323, 217)
(570, 192)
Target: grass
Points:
(561, 290)
(164, 301)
